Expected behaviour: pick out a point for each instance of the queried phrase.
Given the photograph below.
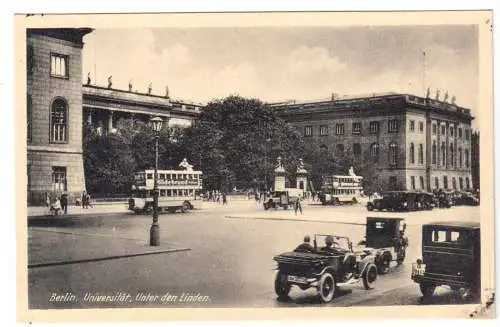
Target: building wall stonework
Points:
(43, 154)
(415, 118)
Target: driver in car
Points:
(330, 245)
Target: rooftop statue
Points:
(110, 81)
(184, 164)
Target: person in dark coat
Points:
(298, 206)
(305, 246)
(64, 203)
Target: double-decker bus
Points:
(338, 189)
(178, 190)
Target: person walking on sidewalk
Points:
(224, 198)
(84, 199)
(298, 206)
(56, 207)
(64, 203)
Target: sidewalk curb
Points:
(293, 219)
(112, 257)
(72, 215)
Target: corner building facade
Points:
(54, 113)
(416, 143)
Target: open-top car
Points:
(385, 237)
(451, 256)
(324, 268)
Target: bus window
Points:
(174, 177)
(150, 176)
(162, 176)
(162, 192)
(169, 192)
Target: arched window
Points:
(374, 152)
(466, 158)
(443, 154)
(467, 183)
(452, 155)
(58, 120)
(420, 154)
(454, 183)
(461, 183)
(436, 182)
(412, 153)
(434, 152)
(460, 157)
(356, 149)
(393, 151)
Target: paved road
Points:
(230, 262)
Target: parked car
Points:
(385, 237)
(466, 198)
(402, 201)
(451, 256)
(283, 199)
(323, 269)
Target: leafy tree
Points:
(236, 142)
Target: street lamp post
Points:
(154, 232)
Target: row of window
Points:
(59, 63)
(58, 120)
(452, 159)
(420, 126)
(445, 183)
(374, 151)
(374, 128)
(435, 131)
(420, 154)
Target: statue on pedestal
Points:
(110, 81)
(184, 164)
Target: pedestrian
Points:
(56, 207)
(224, 198)
(64, 203)
(88, 201)
(84, 199)
(218, 197)
(298, 206)
(313, 196)
(47, 200)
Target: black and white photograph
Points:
(256, 161)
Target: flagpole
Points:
(423, 71)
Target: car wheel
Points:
(369, 276)
(369, 207)
(427, 290)
(401, 257)
(384, 264)
(185, 207)
(281, 285)
(327, 287)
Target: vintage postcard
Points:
(254, 166)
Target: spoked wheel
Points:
(427, 290)
(185, 207)
(401, 257)
(281, 286)
(327, 287)
(383, 267)
(369, 276)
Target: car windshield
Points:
(338, 242)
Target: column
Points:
(110, 121)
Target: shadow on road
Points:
(310, 298)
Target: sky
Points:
(286, 63)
